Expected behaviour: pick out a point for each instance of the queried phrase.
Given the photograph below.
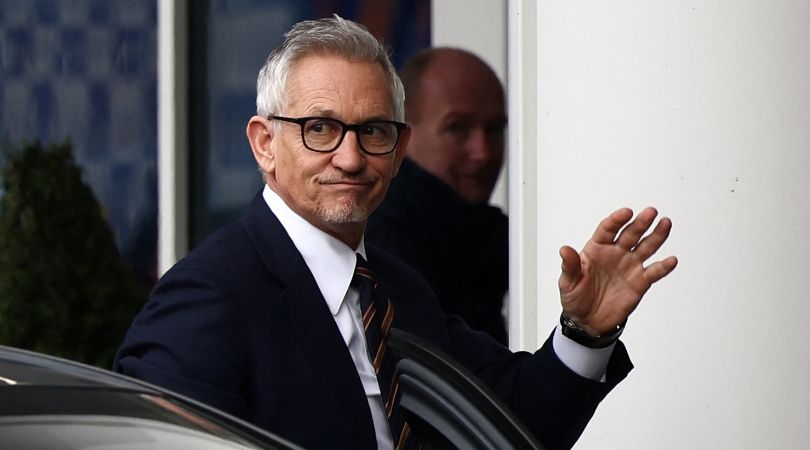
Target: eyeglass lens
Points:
(324, 134)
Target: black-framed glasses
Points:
(324, 134)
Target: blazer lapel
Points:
(313, 323)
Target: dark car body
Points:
(51, 403)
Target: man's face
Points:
(458, 133)
(334, 191)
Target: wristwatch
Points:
(573, 331)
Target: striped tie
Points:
(378, 314)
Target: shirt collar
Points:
(331, 261)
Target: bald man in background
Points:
(437, 215)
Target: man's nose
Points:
(348, 156)
(479, 146)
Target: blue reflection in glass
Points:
(85, 70)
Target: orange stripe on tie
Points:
(403, 437)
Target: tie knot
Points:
(362, 272)
(365, 283)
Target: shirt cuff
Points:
(586, 362)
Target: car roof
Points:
(24, 367)
(30, 381)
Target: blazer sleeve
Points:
(552, 400)
(188, 339)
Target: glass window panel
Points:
(85, 70)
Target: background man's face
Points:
(333, 190)
(458, 133)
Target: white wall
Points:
(703, 110)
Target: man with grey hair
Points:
(282, 317)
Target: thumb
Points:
(571, 268)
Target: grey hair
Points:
(331, 36)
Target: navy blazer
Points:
(240, 324)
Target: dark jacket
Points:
(462, 249)
(240, 324)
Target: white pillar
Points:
(524, 333)
(172, 132)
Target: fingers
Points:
(630, 235)
(660, 269)
(607, 229)
(650, 244)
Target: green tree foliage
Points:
(64, 288)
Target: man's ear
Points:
(402, 148)
(260, 133)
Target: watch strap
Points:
(574, 332)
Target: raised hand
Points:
(601, 285)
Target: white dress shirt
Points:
(332, 265)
